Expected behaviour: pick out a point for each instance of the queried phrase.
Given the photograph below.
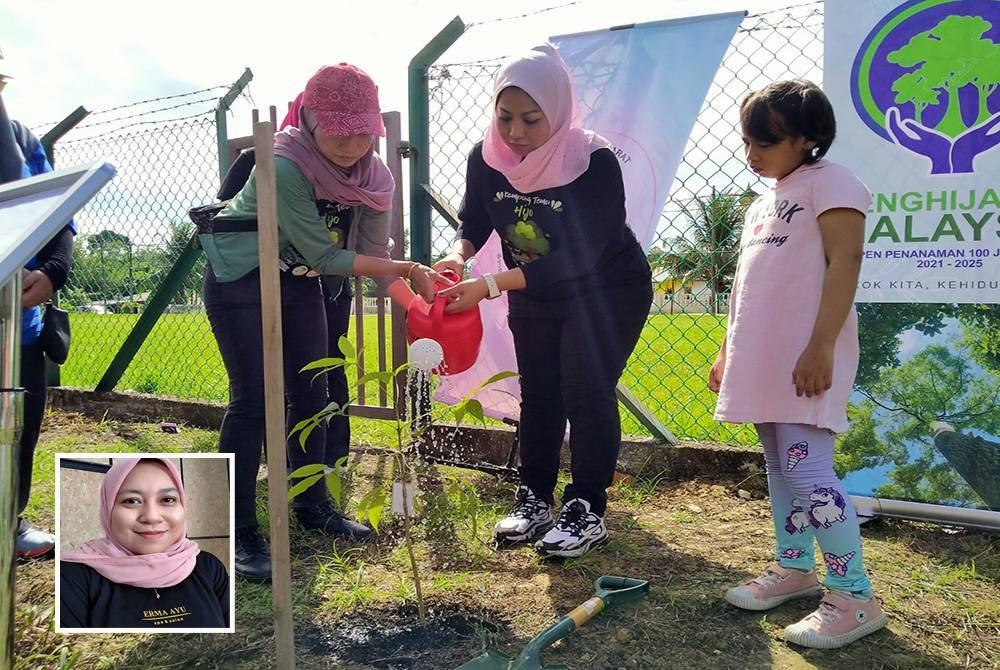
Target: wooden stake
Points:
(274, 395)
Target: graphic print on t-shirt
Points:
(525, 239)
(338, 220)
(166, 615)
(763, 211)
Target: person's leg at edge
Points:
(806, 455)
(31, 542)
(304, 325)
(540, 432)
(234, 312)
(542, 426)
(792, 575)
(338, 430)
(303, 328)
(849, 610)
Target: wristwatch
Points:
(491, 285)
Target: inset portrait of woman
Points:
(146, 573)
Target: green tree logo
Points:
(926, 79)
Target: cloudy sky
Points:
(105, 53)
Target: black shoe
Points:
(326, 519)
(252, 556)
(577, 531)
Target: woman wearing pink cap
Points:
(579, 290)
(144, 572)
(334, 194)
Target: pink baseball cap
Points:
(344, 101)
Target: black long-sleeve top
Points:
(89, 600)
(55, 257)
(569, 241)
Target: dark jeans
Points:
(33, 382)
(570, 356)
(338, 430)
(234, 312)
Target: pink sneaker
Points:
(773, 587)
(839, 620)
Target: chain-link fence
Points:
(166, 152)
(693, 255)
(130, 236)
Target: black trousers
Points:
(338, 430)
(234, 311)
(571, 355)
(33, 382)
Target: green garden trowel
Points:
(608, 591)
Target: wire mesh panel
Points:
(131, 233)
(693, 254)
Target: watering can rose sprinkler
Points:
(424, 356)
(459, 334)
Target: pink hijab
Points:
(116, 563)
(368, 182)
(543, 75)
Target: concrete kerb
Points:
(639, 456)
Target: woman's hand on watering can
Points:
(454, 262)
(464, 295)
(423, 280)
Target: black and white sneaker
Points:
(577, 531)
(530, 516)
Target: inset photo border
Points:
(113, 576)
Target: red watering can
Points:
(459, 334)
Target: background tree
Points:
(936, 384)
(881, 326)
(711, 244)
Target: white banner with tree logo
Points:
(916, 89)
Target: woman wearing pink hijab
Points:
(578, 288)
(144, 572)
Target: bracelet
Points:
(413, 266)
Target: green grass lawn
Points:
(180, 359)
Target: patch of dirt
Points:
(354, 608)
(394, 640)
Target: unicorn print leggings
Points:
(808, 501)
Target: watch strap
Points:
(491, 285)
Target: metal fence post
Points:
(420, 209)
(182, 266)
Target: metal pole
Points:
(11, 398)
(221, 129)
(175, 278)
(965, 517)
(49, 139)
(419, 111)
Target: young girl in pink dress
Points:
(788, 360)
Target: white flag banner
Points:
(641, 87)
(916, 90)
